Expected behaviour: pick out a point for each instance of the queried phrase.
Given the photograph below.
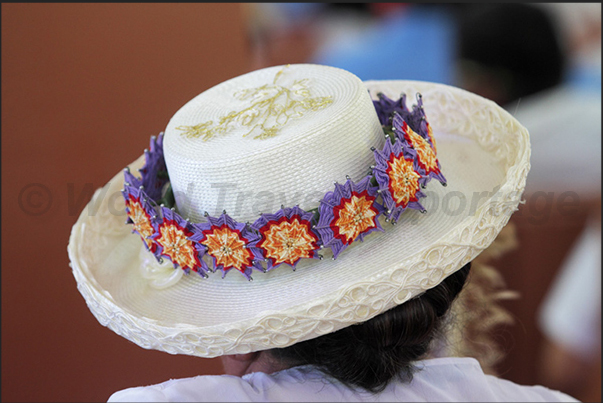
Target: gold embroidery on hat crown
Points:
(272, 107)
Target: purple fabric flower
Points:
(230, 244)
(131, 180)
(287, 237)
(154, 172)
(399, 182)
(415, 117)
(348, 213)
(173, 237)
(386, 107)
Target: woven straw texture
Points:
(484, 154)
(241, 174)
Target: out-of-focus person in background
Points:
(514, 55)
(394, 43)
(375, 41)
(542, 63)
(570, 315)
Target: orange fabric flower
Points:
(227, 247)
(141, 221)
(175, 244)
(355, 216)
(426, 156)
(403, 180)
(288, 240)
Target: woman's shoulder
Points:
(440, 379)
(194, 389)
(464, 378)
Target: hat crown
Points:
(279, 135)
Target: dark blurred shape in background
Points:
(508, 51)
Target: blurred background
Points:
(84, 86)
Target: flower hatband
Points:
(348, 213)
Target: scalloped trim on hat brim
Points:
(103, 235)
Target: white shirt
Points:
(571, 311)
(440, 379)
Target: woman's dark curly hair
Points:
(372, 353)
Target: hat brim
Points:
(484, 154)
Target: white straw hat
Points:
(282, 136)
